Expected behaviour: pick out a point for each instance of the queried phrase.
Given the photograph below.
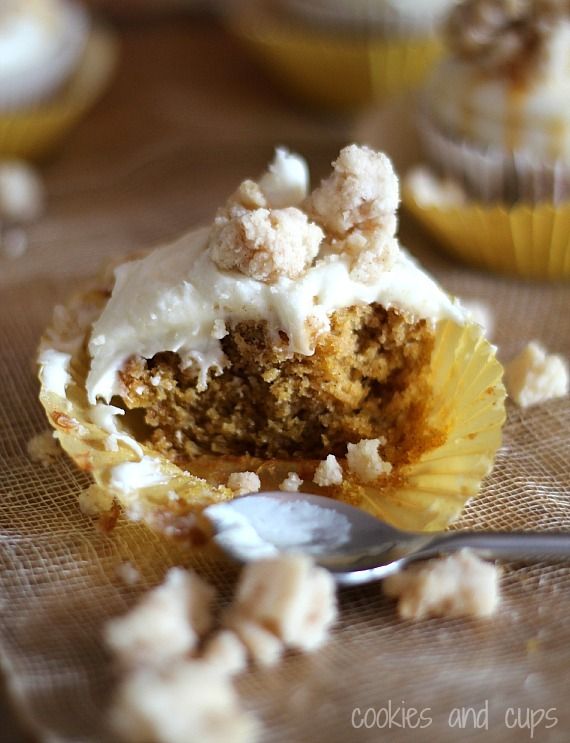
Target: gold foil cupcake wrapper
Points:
(467, 410)
(332, 69)
(32, 132)
(530, 241)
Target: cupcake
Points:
(343, 54)
(41, 43)
(291, 341)
(52, 65)
(495, 121)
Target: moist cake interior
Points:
(368, 378)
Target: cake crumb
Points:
(361, 191)
(454, 586)
(534, 376)
(226, 651)
(165, 625)
(44, 449)
(263, 647)
(328, 472)
(364, 460)
(94, 500)
(264, 244)
(428, 190)
(291, 483)
(190, 702)
(127, 572)
(244, 482)
(288, 596)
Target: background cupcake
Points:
(52, 66)
(343, 53)
(41, 42)
(496, 112)
(495, 130)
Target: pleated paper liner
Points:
(530, 241)
(33, 132)
(467, 409)
(331, 68)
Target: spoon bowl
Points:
(354, 545)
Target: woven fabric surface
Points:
(58, 571)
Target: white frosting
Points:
(105, 416)
(130, 477)
(54, 371)
(286, 182)
(173, 299)
(275, 526)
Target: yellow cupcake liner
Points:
(530, 241)
(33, 132)
(467, 411)
(329, 68)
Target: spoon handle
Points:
(508, 545)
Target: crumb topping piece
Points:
(226, 651)
(361, 193)
(534, 376)
(190, 702)
(291, 483)
(353, 212)
(364, 460)
(261, 242)
(328, 472)
(454, 586)
(288, 597)
(44, 449)
(244, 482)
(165, 625)
(357, 206)
(95, 500)
(504, 35)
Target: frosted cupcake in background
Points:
(343, 53)
(41, 43)
(53, 64)
(400, 17)
(495, 128)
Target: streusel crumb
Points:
(288, 596)
(226, 651)
(264, 243)
(454, 586)
(263, 647)
(364, 460)
(291, 483)
(44, 449)
(165, 625)
(328, 472)
(94, 500)
(361, 193)
(244, 482)
(534, 376)
(190, 702)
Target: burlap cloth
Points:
(58, 580)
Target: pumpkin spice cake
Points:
(290, 338)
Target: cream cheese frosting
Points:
(179, 299)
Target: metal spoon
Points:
(355, 546)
